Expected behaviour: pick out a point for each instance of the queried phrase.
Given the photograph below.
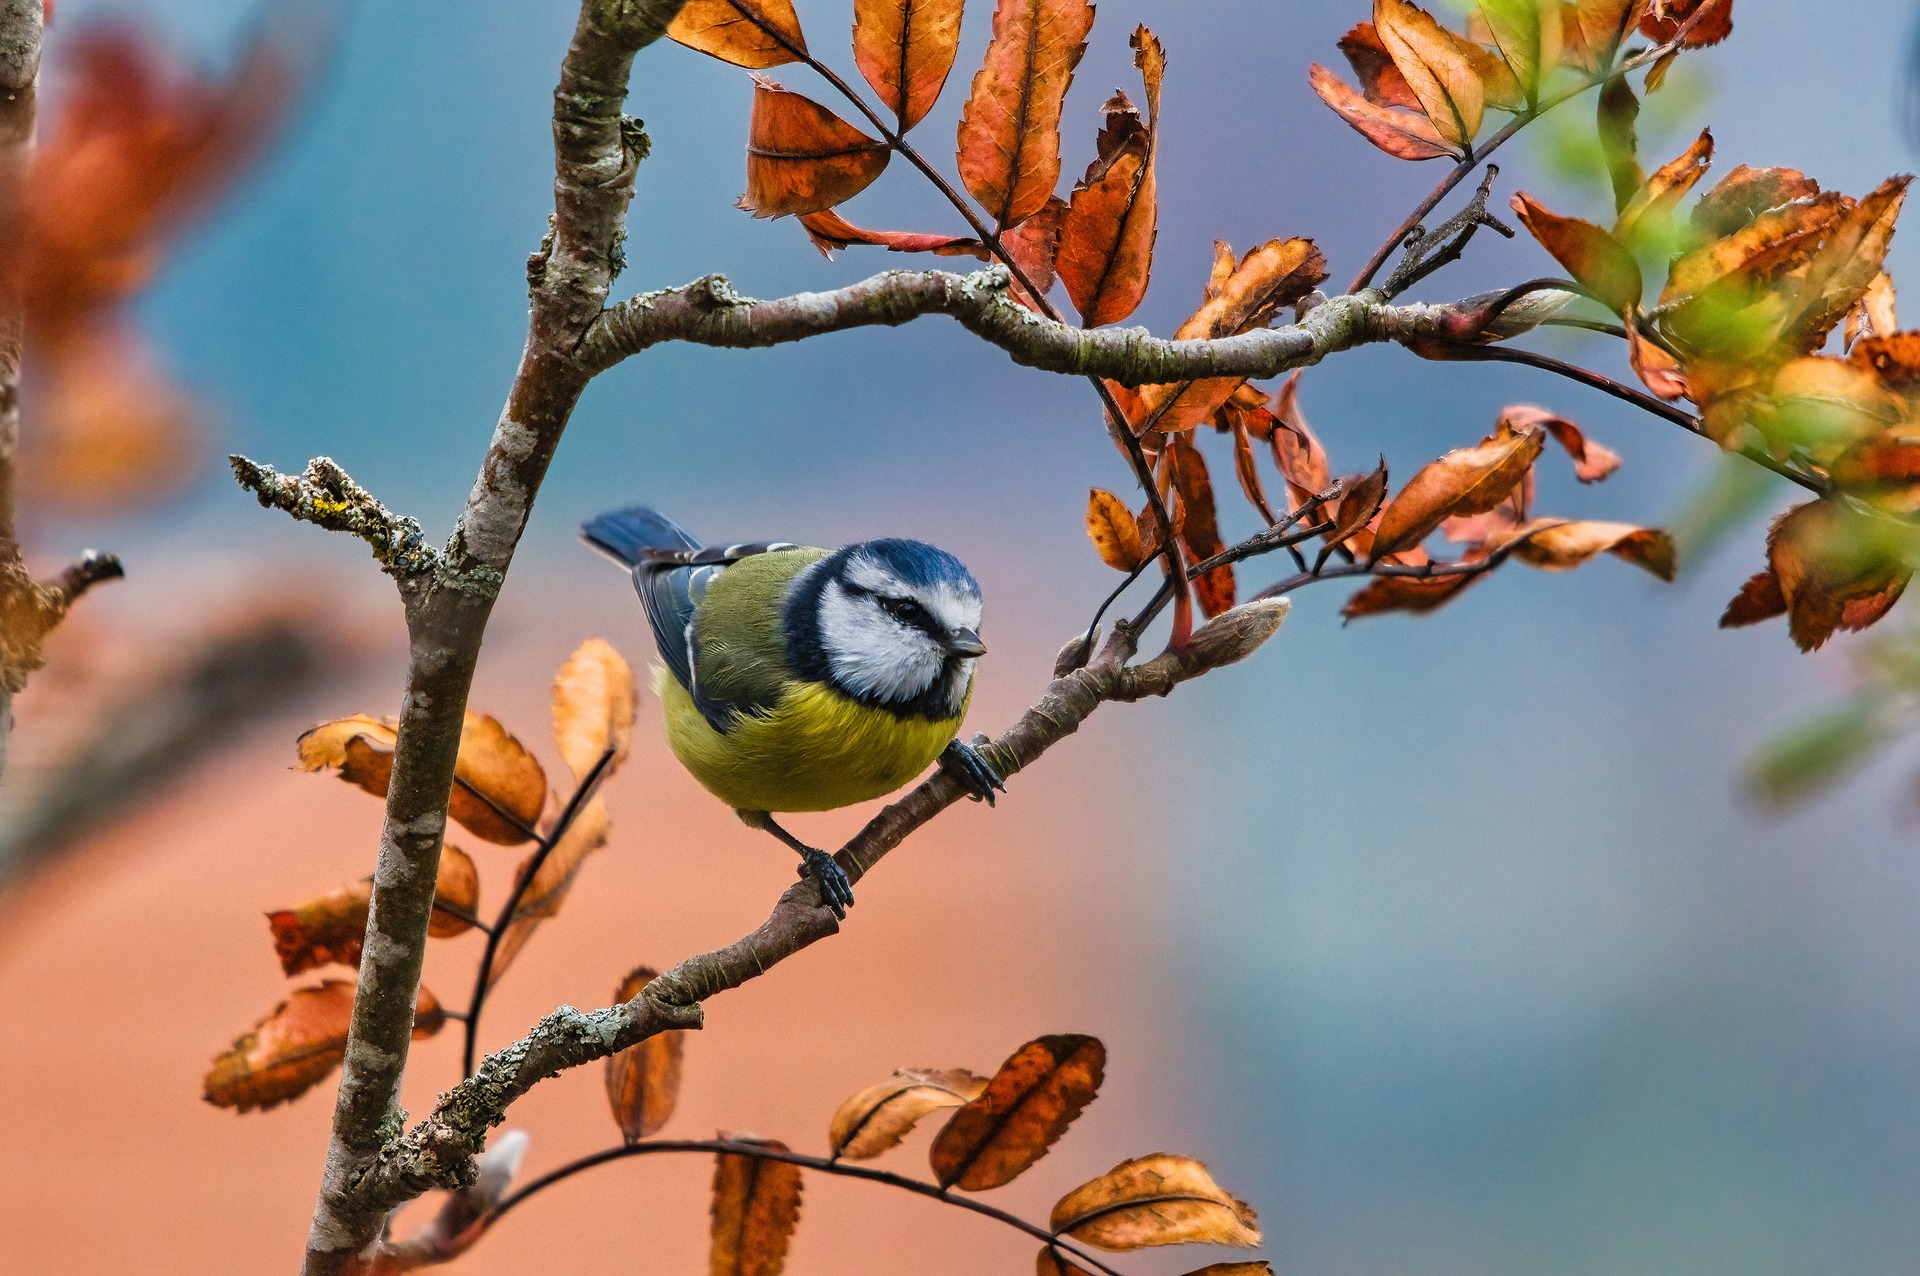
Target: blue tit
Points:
(798, 679)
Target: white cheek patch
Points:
(872, 654)
(954, 608)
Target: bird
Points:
(802, 679)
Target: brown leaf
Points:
(1845, 264)
(1759, 599)
(750, 33)
(1559, 545)
(1466, 481)
(1836, 570)
(756, 1206)
(1297, 453)
(593, 702)
(1049, 1263)
(1450, 90)
(1360, 499)
(542, 899)
(1598, 262)
(1664, 19)
(294, 1048)
(1380, 80)
(1770, 243)
(1160, 1199)
(801, 157)
(1106, 244)
(1894, 357)
(878, 1117)
(831, 232)
(328, 929)
(1591, 461)
(457, 887)
(1201, 531)
(643, 1081)
(1594, 30)
(1657, 369)
(1026, 1107)
(1244, 466)
(1416, 594)
(493, 767)
(905, 48)
(1668, 185)
(1112, 528)
(1033, 246)
(1744, 194)
(1401, 134)
(1528, 35)
(1009, 136)
(1874, 315)
(1258, 1267)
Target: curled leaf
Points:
(801, 157)
(1160, 1199)
(1665, 188)
(1401, 134)
(328, 930)
(1836, 569)
(1009, 138)
(1026, 1107)
(1591, 461)
(593, 701)
(756, 1207)
(1598, 262)
(1106, 243)
(1465, 481)
(831, 232)
(499, 787)
(1201, 530)
(643, 1081)
(878, 1117)
(1664, 18)
(1416, 594)
(1436, 67)
(1559, 545)
(750, 33)
(905, 49)
(1114, 532)
(294, 1048)
(548, 890)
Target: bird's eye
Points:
(903, 609)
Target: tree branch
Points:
(327, 496)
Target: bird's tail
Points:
(626, 536)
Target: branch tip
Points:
(328, 497)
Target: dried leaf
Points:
(1450, 90)
(1380, 80)
(1297, 453)
(1836, 570)
(1245, 468)
(1664, 19)
(1745, 193)
(1657, 369)
(905, 48)
(1106, 243)
(1528, 35)
(801, 157)
(1049, 1263)
(1594, 29)
(1875, 315)
(1026, 1107)
(1772, 241)
(1759, 599)
(1201, 531)
(1845, 264)
(593, 702)
(756, 1206)
(294, 1048)
(1009, 138)
(878, 1117)
(328, 930)
(494, 774)
(1401, 134)
(1360, 499)
(1559, 545)
(1664, 190)
(1033, 246)
(750, 33)
(1466, 481)
(1258, 1267)
(1416, 594)
(1591, 461)
(1115, 534)
(643, 1081)
(542, 899)
(1598, 262)
(831, 232)
(1160, 1199)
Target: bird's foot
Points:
(836, 892)
(966, 765)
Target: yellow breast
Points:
(815, 751)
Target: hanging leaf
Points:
(750, 33)
(831, 232)
(1297, 453)
(593, 701)
(643, 1081)
(878, 1117)
(1380, 80)
(1401, 134)
(1360, 499)
(1113, 530)
(1759, 599)
(329, 929)
(1617, 123)
(1466, 481)
(1527, 33)
(1664, 18)
(1657, 369)
(542, 899)
(905, 48)
(1594, 30)
(1591, 461)
(1050, 1263)
(499, 790)
(1558, 545)
(1106, 245)
(1846, 263)
(1663, 191)
(1835, 569)
(801, 157)
(1010, 128)
(1416, 594)
(1160, 1199)
(1245, 468)
(1033, 246)
(1598, 262)
(756, 1206)
(1450, 90)
(1201, 531)
(1024, 1110)
(297, 1046)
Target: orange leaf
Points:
(1160, 1199)
(1025, 1108)
(1033, 246)
(1836, 570)
(1010, 128)
(542, 899)
(1874, 315)
(593, 701)
(1772, 241)
(756, 1206)
(905, 48)
(643, 1081)
(1380, 80)
(1449, 88)
(1245, 468)
(1659, 370)
(831, 232)
(1048, 1263)
(1744, 194)
(1847, 261)
(1664, 19)
(1297, 453)
(878, 1117)
(749, 33)
(1759, 599)
(1559, 545)
(1591, 461)
(1668, 185)
(1894, 357)
(801, 157)
(494, 774)
(1360, 500)
(1115, 534)
(1400, 134)
(294, 1048)
(1594, 30)
(1201, 531)
(1106, 245)
(111, 430)
(1416, 594)
(329, 929)
(1599, 262)
(1466, 481)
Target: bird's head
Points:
(892, 623)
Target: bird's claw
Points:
(972, 770)
(836, 892)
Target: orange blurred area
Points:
(133, 960)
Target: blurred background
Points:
(1450, 943)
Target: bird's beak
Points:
(965, 642)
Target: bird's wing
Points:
(672, 584)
